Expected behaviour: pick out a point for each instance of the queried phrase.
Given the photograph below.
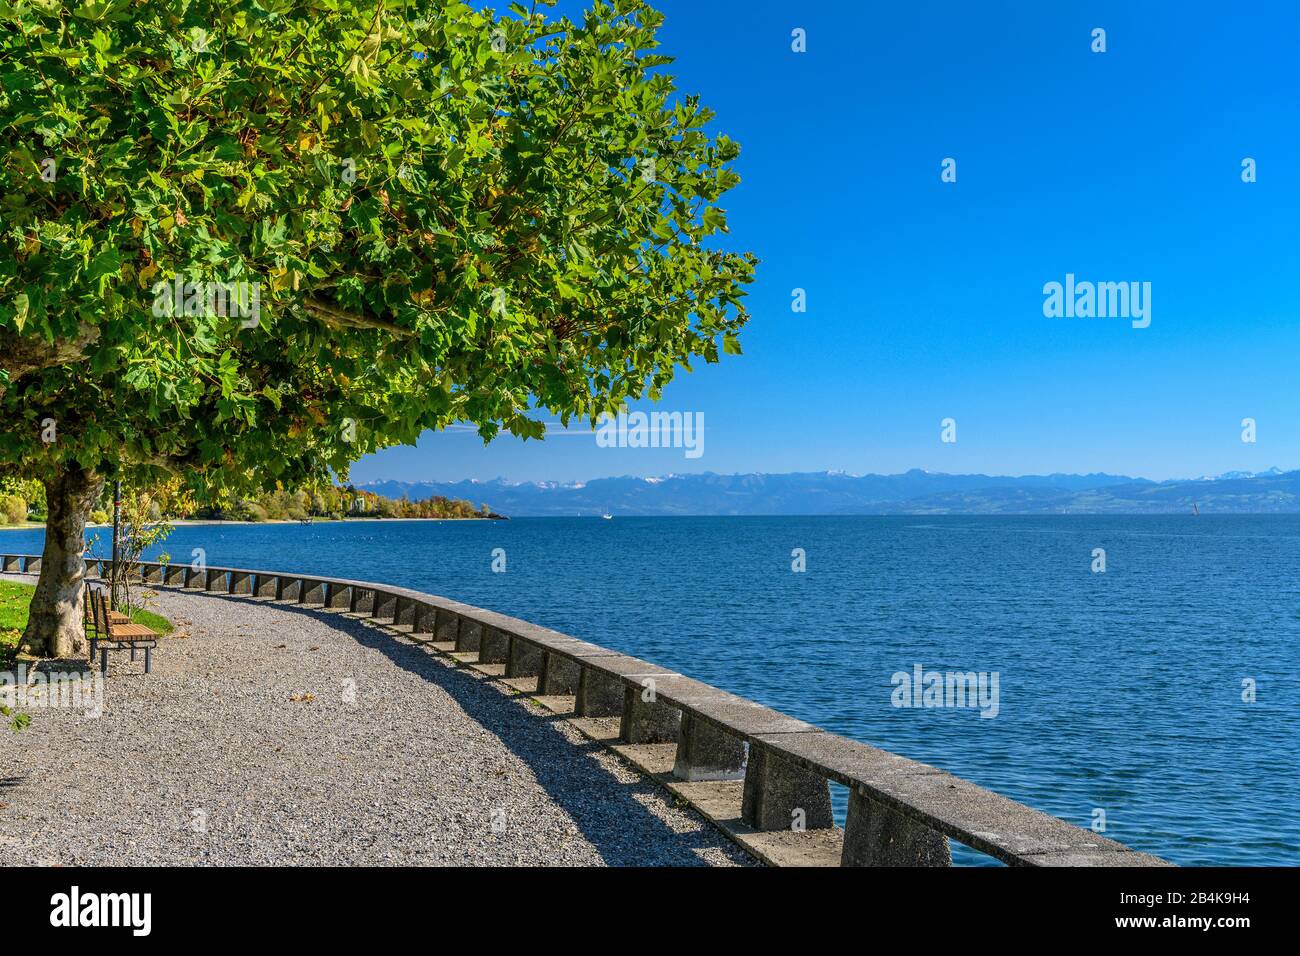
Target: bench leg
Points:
(148, 659)
(103, 661)
(94, 643)
(132, 652)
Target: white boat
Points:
(607, 517)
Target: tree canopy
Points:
(448, 215)
(249, 242)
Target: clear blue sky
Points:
(925, 299)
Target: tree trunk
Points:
(54, 622)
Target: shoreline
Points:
(185, 522)
(179, 522)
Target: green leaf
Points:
(20, 310)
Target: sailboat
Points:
(1195, 510)
(607, 517)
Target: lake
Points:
(1118, 692)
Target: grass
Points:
(14, 599)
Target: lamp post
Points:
(117, 537)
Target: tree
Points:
(140, 531)
(31, 492)
(254, 241)
(13, 510)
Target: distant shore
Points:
(178, 522)
(197, 521)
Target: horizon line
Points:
(1272, 471)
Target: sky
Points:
(925, 298)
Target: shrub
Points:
(14, 509)
(274, 506)
(99, 517)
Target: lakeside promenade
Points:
(763, 778)
(272, 734)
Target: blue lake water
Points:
(1120, 691)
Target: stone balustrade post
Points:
(445, 624)
(876, 835)
(599, 695)
(646, 720)
(705, 752)
(425, 621)
(493, 646)
(557, 674)
(468, 636)
(362, 601)
(781, 795)
(404, 611)
(385, 607)
(525, 659)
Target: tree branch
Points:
(21, 355)
(331, 314)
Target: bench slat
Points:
(130, 632)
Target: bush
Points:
(99, 517)
(249, 511)
(14, 509)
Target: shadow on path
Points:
(534, 739)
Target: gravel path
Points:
(270, 734)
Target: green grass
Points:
(155, 622)
(14, 599)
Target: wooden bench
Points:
(108, 630)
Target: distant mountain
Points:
(1271, 473)
(829, 493)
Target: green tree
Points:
(519, 220)
(13, 510)
(30, 491)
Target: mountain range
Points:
(915, 492)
